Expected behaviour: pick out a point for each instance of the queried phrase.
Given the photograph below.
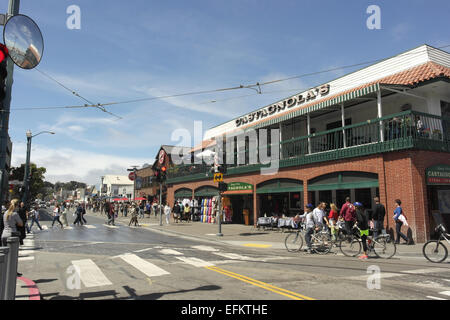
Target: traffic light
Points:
(3, 70)
(163, 172)
(223, 186)
(157, 173)
(223, 168)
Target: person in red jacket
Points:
(348, 212)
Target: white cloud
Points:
(66, 164)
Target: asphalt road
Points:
(101, 262)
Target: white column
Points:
(308, 125)
(380, 114)
(343, 124)
(281, 146)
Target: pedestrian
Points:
(319, 214)
(378, 217)
(167, 211)
(11, 220)
(154, 206)
(332, 220)
(176, 212)
(125, 209)
(78, 212)
(23, 212)
(56, 215)
(310, 225)
(83, 213)
(134, 215)
(362, 221)
(141, 209)
(111, 215)
(35, 217)
(399, 219)
(348, 212)
(187, 212)
(64, 210)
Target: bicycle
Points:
(320, 241)
(383, 246)
(434, 250)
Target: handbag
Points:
(402, 218)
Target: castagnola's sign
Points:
(285, 104)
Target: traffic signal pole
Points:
(160, 203)
(13, 9)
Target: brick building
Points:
(381, 131)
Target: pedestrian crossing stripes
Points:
(90, 274)
(195, 262)
(148, 268)
(89, 226)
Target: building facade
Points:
(381, 131)
(117, 186)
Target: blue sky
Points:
(138, 49)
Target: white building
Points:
(117, 186)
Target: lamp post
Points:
(26, 176)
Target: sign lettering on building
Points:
(239, 186)
(284, 105)
(439, 174)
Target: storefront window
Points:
(295, 200)
(364, 196)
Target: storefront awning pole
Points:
(308, 124)
(343, 124)
(380, 114)
(281, 146)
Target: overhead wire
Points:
(251, 86)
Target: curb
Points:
(33, 290)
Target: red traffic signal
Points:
(3, 52)
(163, 169)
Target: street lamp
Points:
(26, 177)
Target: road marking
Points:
(143, 250)
(68, 228)
(402, 273)
(256, 245)
(149, 269)
(435, 298)
(171, 252)
(445, 293)
(89, 226)
(205, 248)
(112, 227)
(26, 258)
(233, 256)
(269, 287)
(423, 271)
(195, 262)
(90, 273)
(45, 227)
(26, 252)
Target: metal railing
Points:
(396, 128)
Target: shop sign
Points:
(439, 174)
(239, 186)
(288, 103)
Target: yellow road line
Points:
(257, 245)
(284, 292)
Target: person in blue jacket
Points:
(398, 223)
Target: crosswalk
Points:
(26, 251)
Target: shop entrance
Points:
(280, 197)
(237, 207)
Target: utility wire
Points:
(251, 86)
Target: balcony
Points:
(405, 130)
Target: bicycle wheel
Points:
(384, 247)
(321, 243)
(435, 251)
(350, 246)
(293, 242)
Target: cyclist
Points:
(362, 221)
(310, 225)
(348, 214)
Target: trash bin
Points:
(246, 213)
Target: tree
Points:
(36, 183)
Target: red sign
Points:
(131, 176)
(439, 180)
(161, 156)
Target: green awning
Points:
(279, 186)
(320, 105)
(206, 192)
(183, 193)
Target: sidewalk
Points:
(236, 234)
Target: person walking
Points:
(310, 225)
(64, 210)
(56, 215)
(187, 212)
(399, 219)
(11, 221)
(134, 215)
(35, 217)
(78, 212)
(23, 212)
(348, 212)
(125, 209)
(332, 220)
(111, 215)
(83, 213)
(362, 221)
(319, 214)
(141, 209)
(378, 215)
(167, 211)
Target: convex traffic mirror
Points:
(23, 38)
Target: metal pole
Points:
(4, 252)
(26, 178)
(160, 203)
(13, 9)
(219, 215)
(11, 268)
(380, 114)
